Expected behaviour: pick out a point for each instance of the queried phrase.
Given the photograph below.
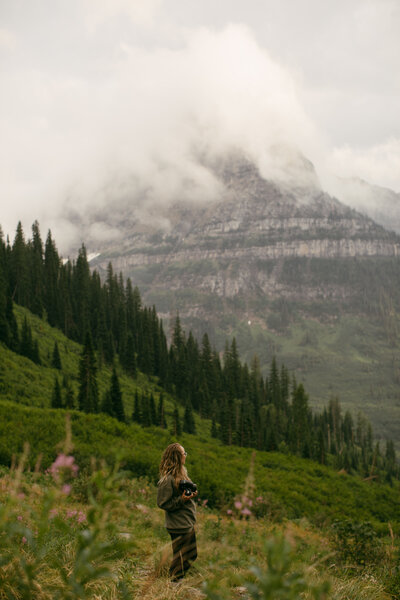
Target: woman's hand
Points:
(192, 495)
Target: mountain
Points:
(286, 268)
(380, 203)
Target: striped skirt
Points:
(184, 553)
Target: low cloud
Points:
(130, 122)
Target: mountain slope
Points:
(286, 268)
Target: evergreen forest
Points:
(244, 407)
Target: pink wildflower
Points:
(81, 517)
(71, 513)
(250, 503)
(245, 499)
(238, 505)
(24, 540)
(246, 512)
(229, 512)
(19, 518)
(66, 489)
(21, 495)
(53, 513)
(63, 463)
(205, 502)
(259, 498)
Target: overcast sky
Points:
(102, 99)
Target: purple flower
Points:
(19, 518)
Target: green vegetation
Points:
(80, 534)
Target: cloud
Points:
(136, 134)
(379, 164)
(99, 12)
(123, 112)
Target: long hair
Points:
(172, 464)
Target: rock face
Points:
(286, 268)
(239, 244)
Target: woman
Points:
(180, 510)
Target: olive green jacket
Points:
(180, 515)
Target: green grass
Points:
(133, 547)
(24, 382)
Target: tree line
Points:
(110, 320)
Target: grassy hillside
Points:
(116, 540)
(290, 487)
(114, 546)
(24, 382)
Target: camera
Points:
(187, 487)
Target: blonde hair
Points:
(172, 464)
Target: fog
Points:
(107, 103)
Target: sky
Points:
(111, 102)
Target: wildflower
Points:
(205, 502)
(229, 512)
(53, 513)
(238, 505)
(20, 496)
(246, 512)
(259, 498)
(64, 464)
(81, 517)
(24, 540)
(66, 489)
(19, 518)
(71, 513)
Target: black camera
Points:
(187, 487)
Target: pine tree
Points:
(189, 425)
(136, 415)
(51, 279)
(56, 400)
(36, 266)
(161, 420)
(116, 397)
(14, 341)
(26, 343)
(176, 423)
(107, 404)
(36, 353)
(56, 359)
(153, 414)
(128, 358)
(69, 401)
(4, 326)
(19, 276)
(145, 412)
(81, 285)
(88, 397)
